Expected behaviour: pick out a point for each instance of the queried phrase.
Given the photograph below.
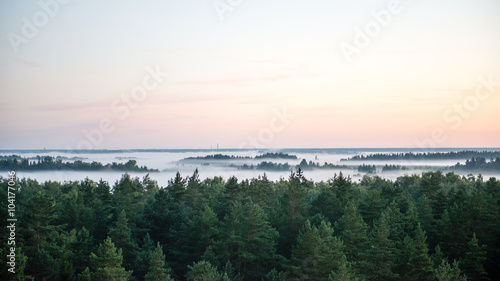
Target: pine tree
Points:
(260, 191)
(453, 228)
(437, 257)
(342, 187)
(247, 240)
(344, 272)
(382, 251)
(203, 271)
(475, 256)
(447, 273)
(195, 236)
(102, 206)
(372, 204)
(36, 223)
(274, 275)
(420, 260)
(157, 270)
(353, 232)
(426, 219)
(150, 186)
(177, 187)
(157, 217)
(81, 247)
(317, 253)
(122, 238)
(327, 204)
(196, 192)
(128, 195)
(143, 257)
(293, 215)
(108, 263)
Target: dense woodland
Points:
(12, 163)
(430, 227)
(479, 164)
(465, 154)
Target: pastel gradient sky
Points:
(227, 77)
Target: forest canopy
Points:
(430, 227)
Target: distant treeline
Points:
(217, 157)
(267, 166)
(49, 163)
(232, 157)
(475, 164)
(370, 169)
(278, 155)
(466, 154)
(304, 165)
(393, 168)
(479, 163)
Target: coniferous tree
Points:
(475, 256)
(317, 253)
(344, 272)
(447, 273)
(426, 219)
(421, 264)
(353, 232)
(294, 213)
(158, 270)
(128, 194)
(247, 240)
(196, 192)
(327, 204)
(81, 247)
(107, 263)
(143, 257)
(381, 254)
(453, 231)
(122, 238)
(372, 204)
(177, 187)
(203, 271)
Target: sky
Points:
(123, 74)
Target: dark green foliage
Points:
(49, 163)
(444, 272)
(317, 253)
(344, 272)
(370, 169)
(203, 271)
(122, 238)
(247, 240)
(107, 263)
(157, 270)
(419, 260)
(216, 229)
(472, 264)
(353, 232)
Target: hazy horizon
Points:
(247, 74)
